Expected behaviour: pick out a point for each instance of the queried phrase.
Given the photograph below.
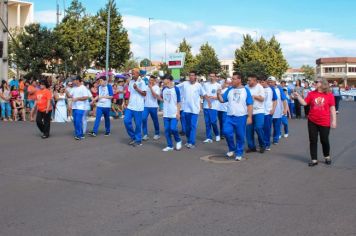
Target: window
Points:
(352, 69)
(334, 69)
(225, 67)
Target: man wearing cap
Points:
(239, 114)
(281, 109)
(258, 95)
(151, 108)
(79, 95)
(103, 106)
(210, 107)
(135, 107)
(192, 91)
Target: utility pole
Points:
(149, 39)
(58, 13)
(108, 42)
(4, 63)
(165, 48)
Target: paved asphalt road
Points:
(101, 186)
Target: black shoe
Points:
(262, 149)
(132, 142)
(328, 161)
(137, 144)
(182, 133)
(312, 163)
(251, 150)
(44, 136)
(92, 134)
(107, 134)
(77, 138)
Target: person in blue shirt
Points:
(103, 106)
(239, 114)
(171, 113)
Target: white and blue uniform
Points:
(134, 110)
(191, 107)
(182, 116)
(270, 97)
(78, 109)
(211, 114)
(103, 107)
(151, 108)
(238, 100)
(222, 113)
(257, 119)
(87, 110)
(278, 113)
(171, 98)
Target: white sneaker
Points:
(217, 138)
(179, 146)
(286, 135)
(208, 141)
(238, 158)
(167, 149)
(156, 137)
(230, 154)
(145, 138)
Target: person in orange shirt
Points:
(44, 109)
(31, 96)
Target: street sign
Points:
(176, 60)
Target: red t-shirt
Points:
(42, 97)
(320, 104)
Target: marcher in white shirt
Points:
(135, 107)
(210, 107)
(171, 113)
(151, 108)
(258, 95)
(192, 91)
(222, 108)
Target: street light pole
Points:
(4, 63)
(149, 39)
(165, 48)
(108, 42)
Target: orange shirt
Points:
(21, 87)
(42, 97)
(31, 89)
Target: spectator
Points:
(5, 98)
(19, 109)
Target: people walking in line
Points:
(151, 108)
(171, 113)
(210, 107)
(270, 107)
(137, 89)
(239, 114)
(222, 107)
(322, 117)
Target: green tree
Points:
(34, 50)
(256, 68)
(207, 61)
(145, 63)
(268, 53)
(74, 33)
(129, 65)
(309, 72)
(119, 40)
(190, 61)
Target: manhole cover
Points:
(218, 159)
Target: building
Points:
(228, 66)
(20, 13)
(341, 69)
(293, 75)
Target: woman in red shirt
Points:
(322, 116)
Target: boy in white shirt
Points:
(258, 95)
(222, 108)
(191, 91)
(210, 107)
(171, 113)
(151, 108)
(239, 114)
(135, 107)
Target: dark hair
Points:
(153, 77)
(298, 82)
(44, 82)
(3, 82)
(168, 76)
(237, 74)
(13, 87)
(252, 75)
(193, 72)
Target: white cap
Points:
(228, 80)
(272, 78)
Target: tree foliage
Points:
(207, 61)
(145, 63)
(268, 53)
(190, 60)
(309, 72)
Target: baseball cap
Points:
(272, 78)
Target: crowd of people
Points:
(232, 111)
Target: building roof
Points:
(12, 2)
(336, 60)
(294, 70)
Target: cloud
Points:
(47, 17)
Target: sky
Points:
(306, 29)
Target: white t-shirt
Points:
(104, 91)
(137, 101)
(87, 102)
(191, 94)
(171, 97)
(223, 106)
(211, 89)
(258, 107)
(279, 107)
(151, 101)
(270, 97)
(77, 92)
(238, 99)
